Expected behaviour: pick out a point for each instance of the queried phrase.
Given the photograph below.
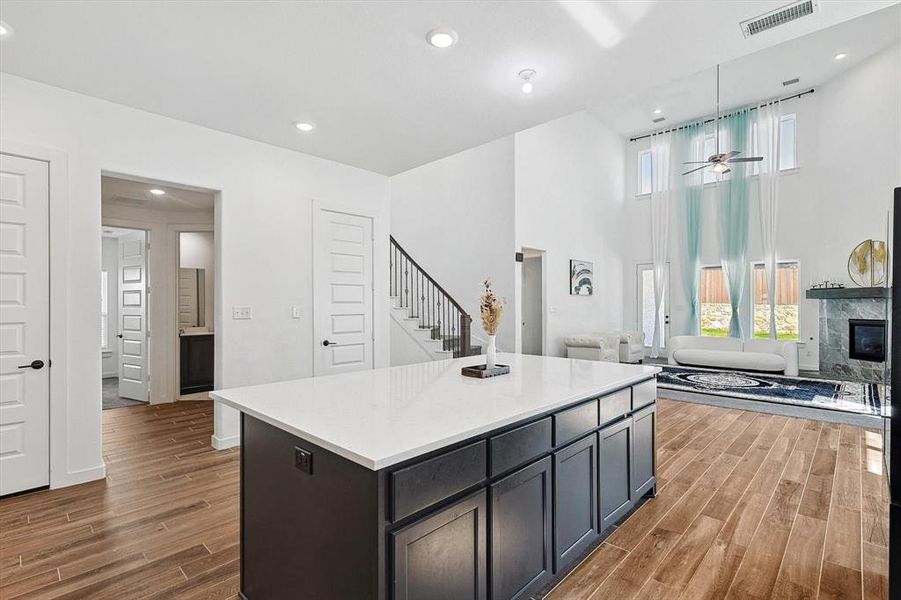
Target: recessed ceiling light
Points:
(442, 37)
(301, 126)
(657, 111)
(840, 56)
(527, 75)
(157, 191)
(5, 30)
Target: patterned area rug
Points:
(846, 396)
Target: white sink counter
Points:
(378, 418)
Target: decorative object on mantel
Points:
(492, 310)
(827, 285)
(867, 263)
(581, 278)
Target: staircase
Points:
(431, 317)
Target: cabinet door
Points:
(643, 451)
(614, 472)
(521, 532)
(444, 556)
(575, 500)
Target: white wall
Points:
(197, 251)
(263, 214)
(569, 203)
(455, 218)
(109, 262)
(849, 162)
(556, 187)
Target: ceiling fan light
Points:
(719, 168)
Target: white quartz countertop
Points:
(380, 417)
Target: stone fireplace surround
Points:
(837, 307)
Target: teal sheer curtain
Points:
(690, 142)
(733, 216)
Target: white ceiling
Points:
(382, 99)
(758, 76)
(127, 192)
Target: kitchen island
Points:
(416, 482)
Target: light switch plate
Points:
(242, 312)
(295, 312)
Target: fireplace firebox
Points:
(866, 339)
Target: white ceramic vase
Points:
(491, 354)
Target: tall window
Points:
(788, 157)
(787, 295)
(644, 172)
(104, 310)
(715, 308)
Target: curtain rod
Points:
(647, 135)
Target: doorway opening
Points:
(196, 252)
(123, 317)
(533, 301)
(158, 306)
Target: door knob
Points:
(35, 364)
(119, 336)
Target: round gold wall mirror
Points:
(868, 263)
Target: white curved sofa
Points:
(730, 353)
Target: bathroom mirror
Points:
(191, 300)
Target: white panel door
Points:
(24, 324)
(342, 292)
(133, 316)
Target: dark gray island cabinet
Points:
(499, 515)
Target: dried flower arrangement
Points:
(492, 309)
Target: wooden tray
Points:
(483, 372)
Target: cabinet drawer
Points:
(453, 542)
(517, 447)
(417, 486)
(573, 422)
(644, 393)
(616, 405)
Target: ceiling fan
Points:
(719, 162)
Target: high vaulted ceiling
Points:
(758, 76)
(380, 96)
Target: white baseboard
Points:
(226, 442)
(77, 477)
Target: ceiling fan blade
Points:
(696, 162)
(693, 170)
(729, 155)
(748, 159)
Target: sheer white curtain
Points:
(768, 123)
(661, 190)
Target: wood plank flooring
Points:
(749, 506)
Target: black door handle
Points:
(35, 364)
(119, 336)
(328, 343)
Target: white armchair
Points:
(631, 346)
(593, 346)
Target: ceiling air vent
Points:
(658, 119)
(791, 82)
(777, 17)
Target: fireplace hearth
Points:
(866, 339)
(852, 338)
